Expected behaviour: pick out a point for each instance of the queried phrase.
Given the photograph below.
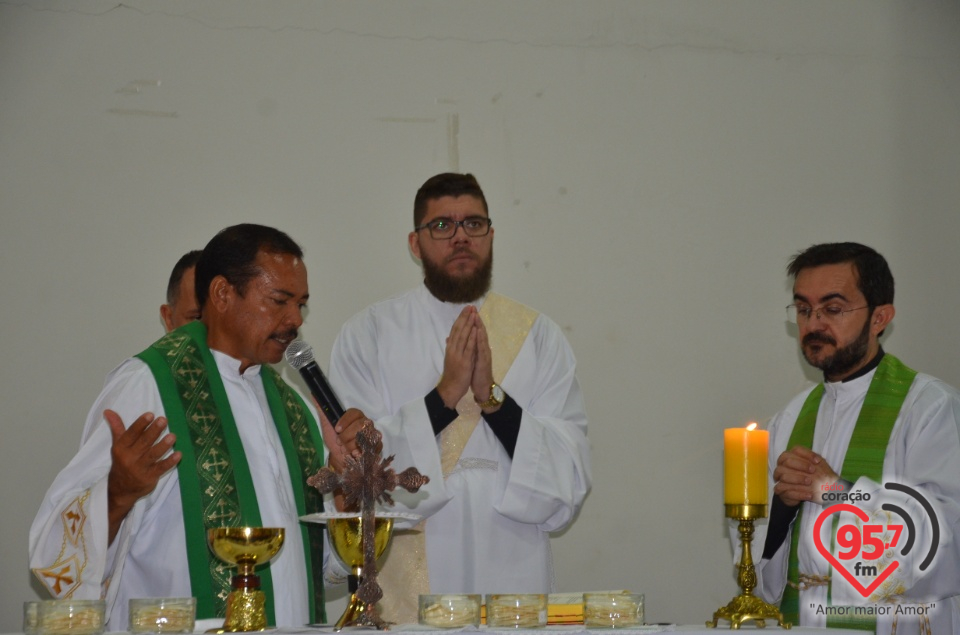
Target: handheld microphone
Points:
(300, 356)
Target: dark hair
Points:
(232, 253)
(873, 274)
(186, 261)
(446, 184)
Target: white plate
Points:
(323, 517)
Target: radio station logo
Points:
(862, 545)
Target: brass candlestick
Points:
(747, 606)
(245, 547)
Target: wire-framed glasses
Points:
(802, 313)
(445, 228)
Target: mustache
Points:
(459, 251)
(810, 338)
(290, 334)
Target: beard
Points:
(844, 359)
(458, 290)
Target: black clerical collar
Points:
(866, 369)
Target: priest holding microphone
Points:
(198, 431)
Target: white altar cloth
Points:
(567, 629)
(578, 629)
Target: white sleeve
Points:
(550, 474)
(68, 548)
(921, 486)
(407, 434)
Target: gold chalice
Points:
(245, 547)
(345, 530)
(346, 536)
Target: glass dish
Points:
(612, 610)
(450, 611)
(162, 615)
(517, 610)
(71, 617)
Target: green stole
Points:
(215, 483)
(868, 446)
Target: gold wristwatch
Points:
(496, 397)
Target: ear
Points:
(881, 318)
(166, 314)
(414, 240)
(221, 294)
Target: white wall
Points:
(650, 166)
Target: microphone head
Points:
(298, 354)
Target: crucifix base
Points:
(348, 537)
(354, 614)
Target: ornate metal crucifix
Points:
(365, 482)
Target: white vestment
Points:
(148, 557)
(923, 453)
(488, 523)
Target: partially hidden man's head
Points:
(847, 291)
(453, 237)
(252, 289)
(181, 306)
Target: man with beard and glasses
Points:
(195, 432)
(872, 421)
(479, 393)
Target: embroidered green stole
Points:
(215, 483)
(868, 446)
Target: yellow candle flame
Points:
(752, 425)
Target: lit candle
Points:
(745, 465)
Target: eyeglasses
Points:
(445, 228)
(832, 313)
